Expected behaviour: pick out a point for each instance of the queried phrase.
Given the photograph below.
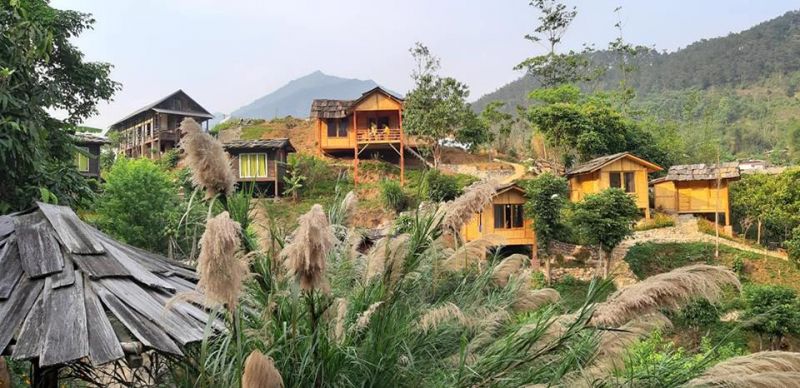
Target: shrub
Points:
(772, 310)
(325, 178)
(699, 313)
(393, 197)
(738, 265)
(439, 187)
(137, 204)
(170, 159)
(659, 220)
(793, 246)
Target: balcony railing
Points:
(385, 135)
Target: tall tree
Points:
(41, 71)
(499, 122)
(437, 107)
(547, 195)
(605, 219)
(554, 68)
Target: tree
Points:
(499, 122)
(547, 195)
(42, 71)
(138, 204)
(437, 109)
(605, 219)
(793, 246)
(773, 311)
(554, 69)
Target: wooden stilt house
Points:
(372, 122)
(504, 216)
(261, 163)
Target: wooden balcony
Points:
(372, 136)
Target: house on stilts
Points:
(373, 122)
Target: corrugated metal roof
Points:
(260, 144)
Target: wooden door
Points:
(684, 198)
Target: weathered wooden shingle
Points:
(14, 309)
(100, 266)
(31, 337)
(38, 248)
(6, 226)
(10, 268)
(65, 316)
(104, 346)
(70, 230)
(67, 276)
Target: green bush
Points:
(138, 203)
(772, 310)
(322, 177)
(438, 187)
(170, 159)
(699, 313)
(793, 246)
(393, 197)
(659, 220)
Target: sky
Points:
(225, 54)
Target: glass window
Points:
(498, 216)
(253, 166)
(343, 127)
(331, 123)
(517, 221)
(81, 160)
(630, 186)
(508, 216)
(615, 180)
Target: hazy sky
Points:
(225, 54)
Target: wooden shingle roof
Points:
(700, 172)
(203, 113)
(89, 138)
(598, 163)
(260, 144)
(331, 109)
(63, 283)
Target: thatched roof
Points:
(89, 138)
(700, 172)
(598, 163)
(263, 144)
(69, 293)
(331, 109)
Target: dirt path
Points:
(519, 172)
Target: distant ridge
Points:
(294, 98)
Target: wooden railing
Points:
(386, 135)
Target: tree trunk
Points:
(547, 272)
(605, 259)
(758, 233)
(437, 154)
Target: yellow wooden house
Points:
(623, 171)
(505, 217)
(692, 189)
(374, 121)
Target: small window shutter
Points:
(242, 165)
(498, 216)
(518, 222)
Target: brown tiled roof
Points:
(260, 144)
(89, 138)
(596, 164)
(332, 109)
(700, 172)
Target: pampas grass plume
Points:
(221, 270)
(508, 267)
(260, 372)
(364, 318)
(755, 369)
(462, 209)
(306, 254)
(438, 315)
(210, 164)
(529, 300)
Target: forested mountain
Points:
(294, 99)
(739, 88)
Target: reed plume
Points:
(669, 290)
(210, 164)
(365, 316)
(387, 255)
(507, 268)
(750, 369)
(349, 206)
(305, 256)
(488, 329)
(529, 300)
(473, 252)
(338, 321)
(260, 372)
(756, 380)
(438, 315)
(462, 209)
(219, 265)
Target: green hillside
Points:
(740, 88)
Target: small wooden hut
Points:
(260, 162)
(87, 157)
(505, 217)
(623, 171)
(692, 189)
(70, 296)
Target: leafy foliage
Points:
(699, 313)
(547, 194)
(772, 310)
(41, 70)
(439, 187)
(138, 203)
(393, 196)
(605, 218)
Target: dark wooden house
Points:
(260, 162)
(71, 296)
(87, 155)
(153, 129)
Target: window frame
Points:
(508, 221)
(79, 155)
(248, 164)
(623, 183)
(335, 129)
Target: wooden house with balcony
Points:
(504, 216)
(87, 153)
(261, 163)
(374, 121)
(623, 171)
(694, 189)
(154, 129)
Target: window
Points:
(383, 122)
(337, 127)
(253, 166)
(81, 160)
(623, 180)
(508, 216)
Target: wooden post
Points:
(319, 137)
(716, 208)
(402, 149)
(355, 148)
(278, 156)
(44, 377)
